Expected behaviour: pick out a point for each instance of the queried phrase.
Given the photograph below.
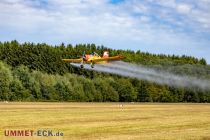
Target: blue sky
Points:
(180, 27)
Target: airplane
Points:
(94, 58)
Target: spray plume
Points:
(150, 74)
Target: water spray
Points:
(150, 74)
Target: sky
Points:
(180, 27)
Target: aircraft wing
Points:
(73, 60)
(114, 58)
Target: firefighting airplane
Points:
(94, 58)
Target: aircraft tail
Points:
(106, 54)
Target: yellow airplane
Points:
(94, 59)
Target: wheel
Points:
(81, 66)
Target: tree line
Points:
(35, 72)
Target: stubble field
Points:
(109, 121)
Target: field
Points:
(108, 121)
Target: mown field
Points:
(108, 121)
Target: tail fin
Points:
(106, 54)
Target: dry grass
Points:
(108, 121)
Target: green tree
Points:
(5, 79)
(18, 92)
(108, 93)
(64, 91)
(126, 91)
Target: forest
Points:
(36, 72)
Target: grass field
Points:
(108, 120)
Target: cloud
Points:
(184, 8)
(180, 27)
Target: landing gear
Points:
(81, 66)
(92, 65)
